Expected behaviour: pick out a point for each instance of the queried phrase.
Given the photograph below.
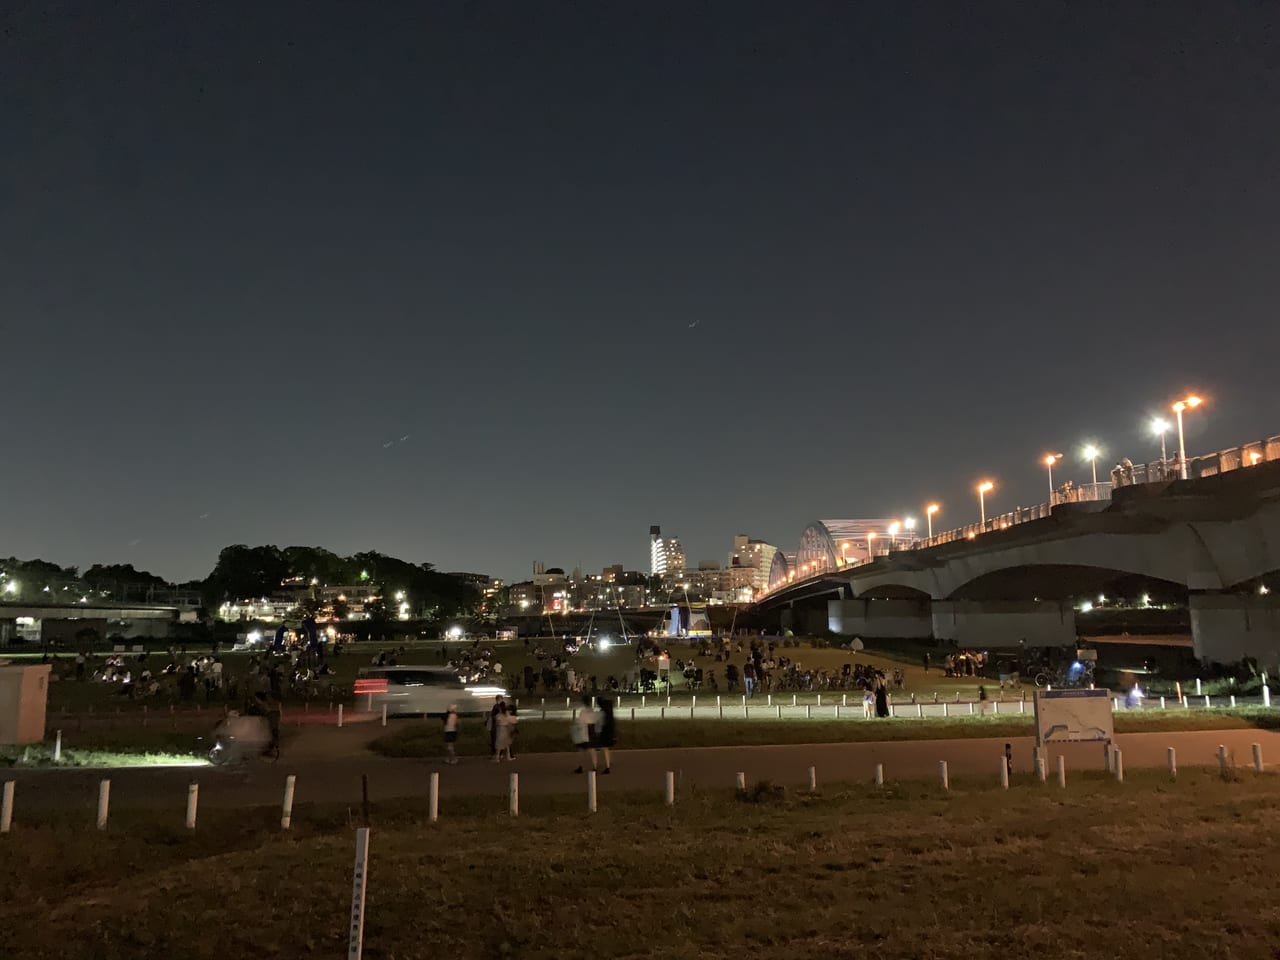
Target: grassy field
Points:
(69, 694)
(1146, 868)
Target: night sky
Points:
(724, 267)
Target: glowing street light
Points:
(1049, 460)
(1091, 453)
(1160, 426)
(929, 511)
(844, 553)
(871, 535)
(893, 533)
(1188, 403)
(983, 489)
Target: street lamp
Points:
(893, 533)
(844, 553)
(1188, 403)
(983, 489)
(929, 511)
(1091, 453)
(909, 525)
(871, 535)
(1049, 460)
(1160, 426)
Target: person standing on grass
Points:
(882, 701)
(606, 732)
(748, 679)
(451, 734)
(868, 704)
(583, 731)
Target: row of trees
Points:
(243, 571)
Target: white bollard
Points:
(1022, 706)
(793, 699)
(995, 706)
(1062, 771)
(433, 799)
(193, 797)
(946, 709)
(1186, 704)
(694, 702)
(943, 778)
(6, 806)
(919, 711)
(819, 699)
(566, 703)
(1042, 769)
(1004, 773)
(1266, 695)
(591, 791)
(1115, 704)
(355, 942)
(286, 809)
(971, 708)
(1197, 686)
(668, 699)
(513, 794)
(57, 748)
(768, 700)
(1257, 758)
(671, 788)
(879, 774)
(1117, 763)
(837, 711)
(1162, 703)
(339, 714)
(643, 698)
(1206, 701)
(1177, 686)
(1222, 759)
(1173, 763)
(844, 699)
(741, 781)
(813, 779)
(104, 802)
(1233, 701)
(808, 712)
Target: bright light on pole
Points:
(1049, 460)
(983, 489)
(929, 511)
(844, 553)
(893, 533)
(1160, 426)
(871, 535)
(1187, 404)
(1091, 453)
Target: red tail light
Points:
(371, 685)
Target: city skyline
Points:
(480, 287)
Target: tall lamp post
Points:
(1049, 460)
(1091, 453)
(844, 554)
(929, 511)
(1187, 404)
(1160, 426)
(871, 536)
(983, 489)
(893, 534)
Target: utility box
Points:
(24, 695)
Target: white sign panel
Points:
(1073, 716)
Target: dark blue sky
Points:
(243, 246)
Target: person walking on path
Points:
(582, 731)
(505, 726)
(491, 723)
(451, 734)
(606, 733)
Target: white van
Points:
(422, 690)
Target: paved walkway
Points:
(338, 780)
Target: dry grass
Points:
(1149, 868)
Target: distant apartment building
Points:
(755, 555)
(666, 555)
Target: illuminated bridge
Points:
(1211, 541)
